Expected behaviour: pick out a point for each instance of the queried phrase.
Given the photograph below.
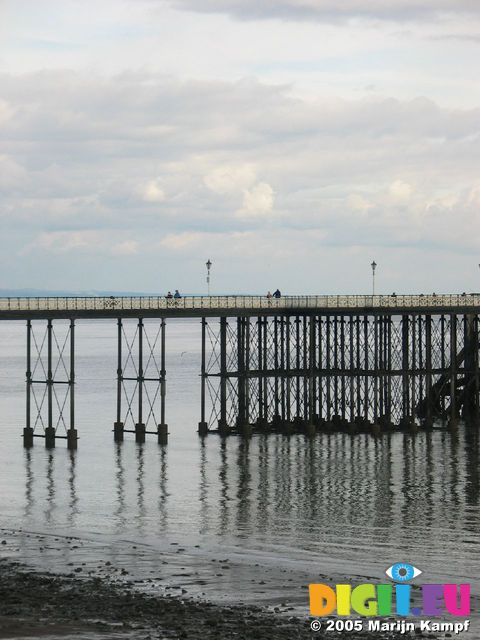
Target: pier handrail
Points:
(236, 302)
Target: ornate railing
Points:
(222, 303)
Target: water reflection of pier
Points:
(332, 496)
(337, 488)
(292, 486)
(41, 488)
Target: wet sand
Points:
(36, 605)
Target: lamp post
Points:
(208, 264)
(374, 266)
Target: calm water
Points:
(284, 511)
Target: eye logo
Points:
(402, 572)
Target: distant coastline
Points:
(32, 293)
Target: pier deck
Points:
(24, 308)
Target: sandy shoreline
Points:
(44, 605)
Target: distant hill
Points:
(34, 293)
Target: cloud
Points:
(89, 241)
(328, 10)
(238, 245)
(400, 191)
(88, 162)
(257, 201)
(153, 192)
(230, 179)
(127, 248)
(180, 241)
(6, 112)
(242, 181)
(473, 38)
(412, 216)
(65, 241)
(12, 174)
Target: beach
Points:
(46, 605)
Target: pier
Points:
(297, 363)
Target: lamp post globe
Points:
(208, 264)
(374, 266)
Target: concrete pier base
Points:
(50, 437)
(310, 429)
(452, 424)
(28, 437)
(385, 423)
(72, 439)
(361, 423)
(202, 429)
(428, 424)
(245, 430)
(262, 424)
(408, 424)
(286, 428)
(223, 428)
(140, 432)
(162, 431)
(118, 431)
(277, 422)
(375, 429)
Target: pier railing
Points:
(223, 303)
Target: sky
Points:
(291, 142)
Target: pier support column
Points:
(247, 373)
(276, 382)
(50, 404)
(203, 425)
(405, 371)
(388, 401)
(243, 346)
(376, 367)
(328, 378)
(428, 373)
(49, 431)
(260, 373)
(140, 426)
(241, 417)
(118, 425)
(366, 337)
(312, 364)
(28, 430)
(452, 422)
(140, 431)
(162, 429)
(471, 387)
(72, 434)
(162, 432)
(223, 427)
(351, 364)
(288, 394)
(141, 382)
